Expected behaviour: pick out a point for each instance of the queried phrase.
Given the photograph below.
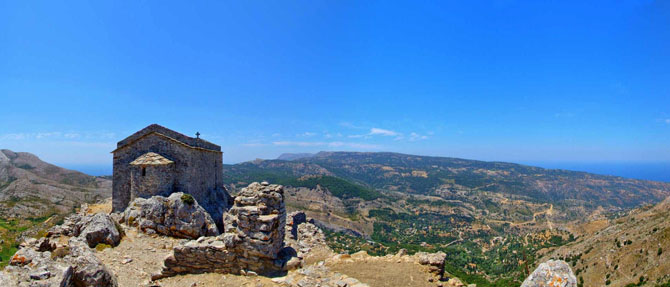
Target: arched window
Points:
(144, 171)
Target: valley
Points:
(491, 219)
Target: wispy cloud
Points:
(415, 137)
(377, 132)
(253, 144)
(383, 132)
(667, 121)
(306, 134)
(56, 135)
(333, 144)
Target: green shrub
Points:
(188, 199)
(102, 246)
(60, 252)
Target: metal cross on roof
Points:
(197, 135)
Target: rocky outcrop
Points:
(434, 260)
(307, 237)
(551, 273)
(178, 215)
(93, 228)
(46, 262)
(294, 219)
(252, 242)
(99, 228)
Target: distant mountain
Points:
(33, 192)
(447, 176)
(30, 187)
(294, 156)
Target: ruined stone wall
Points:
(196, 171)
(253, 240)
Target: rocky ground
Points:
(632, 250)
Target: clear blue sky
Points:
(514, 81)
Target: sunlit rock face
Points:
(554, 273)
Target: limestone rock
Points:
(94, 228)
(293, 220)
(172, 216)
(33, 265)
(435, 260)
(99, 228)
(253, 241)
(551, 273)
(88, 270)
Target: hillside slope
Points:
(33, 192)
(632, 250)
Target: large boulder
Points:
(93, 228)
(99, 228)
(551, 273)
(44, 263)
(88, 270)
(178, 215)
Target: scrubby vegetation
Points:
(188, 199)
(10, 229)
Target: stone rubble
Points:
(302, 235)
(55, 261)
(253, 241)
(556, 273)
(170, 216)
(294, 219)
(436, 261)
(93, 228)
(318, 275)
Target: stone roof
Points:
(151, 158)
(197, 143)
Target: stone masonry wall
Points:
(253, 240)
(155, 180)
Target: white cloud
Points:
(383, 132)
(329, 135)
(325, 144)
(377, 132)
(14, 137)
(58, 136)
(47, 135)
(71, 135)
(253, 144)
(415, 137)
(306, 134)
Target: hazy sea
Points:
(658, 171)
